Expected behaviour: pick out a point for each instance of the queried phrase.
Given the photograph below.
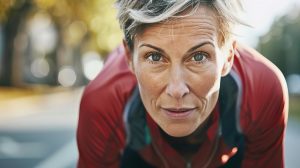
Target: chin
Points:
(179, 130)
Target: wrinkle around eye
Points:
(199, 66)
(152, 58)
(203, 56)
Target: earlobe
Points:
(226, 68)
(229, 59)
(128, 55)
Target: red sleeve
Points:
(267, 113)
(100, 132)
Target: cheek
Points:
(147, 86)
(150, 84)
(147, 81)
(206, 83)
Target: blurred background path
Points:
(51, 48)
(292, 146)
(39, 131)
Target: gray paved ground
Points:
(292, 144)
(45, 138)
(39, 131)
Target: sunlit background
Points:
(51, 49)
(55, 43)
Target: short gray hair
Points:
(136, 14)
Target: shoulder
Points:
(107, 94)
(100, 132)
(264, 88)
(257, 69)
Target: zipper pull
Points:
(188, 165)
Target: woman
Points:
(190, 96)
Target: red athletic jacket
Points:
(262, 106)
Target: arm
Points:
(265, 135)
(100, 138)
(100, 133)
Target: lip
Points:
(178, 113)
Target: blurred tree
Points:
(281, 43)
(11, 15)
(81, 26)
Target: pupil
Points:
(155, 57)
(198, 57)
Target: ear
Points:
(229, 59)
(129, 55)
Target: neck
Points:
(187, 146)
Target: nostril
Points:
(177, 90)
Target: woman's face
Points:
(178, 65)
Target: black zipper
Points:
(214, 150)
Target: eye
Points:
(154, 57)
(199, 57)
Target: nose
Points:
(177, 87)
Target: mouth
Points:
(178, 113)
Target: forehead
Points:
(201, 23)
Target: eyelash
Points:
(148, 55)
(206, 55)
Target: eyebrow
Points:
(151, 46)
(190, 50)
(200, 45)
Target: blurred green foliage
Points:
(281, 43)
(76, 27)
(294, 109)
(5, 6)
(92, 20)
